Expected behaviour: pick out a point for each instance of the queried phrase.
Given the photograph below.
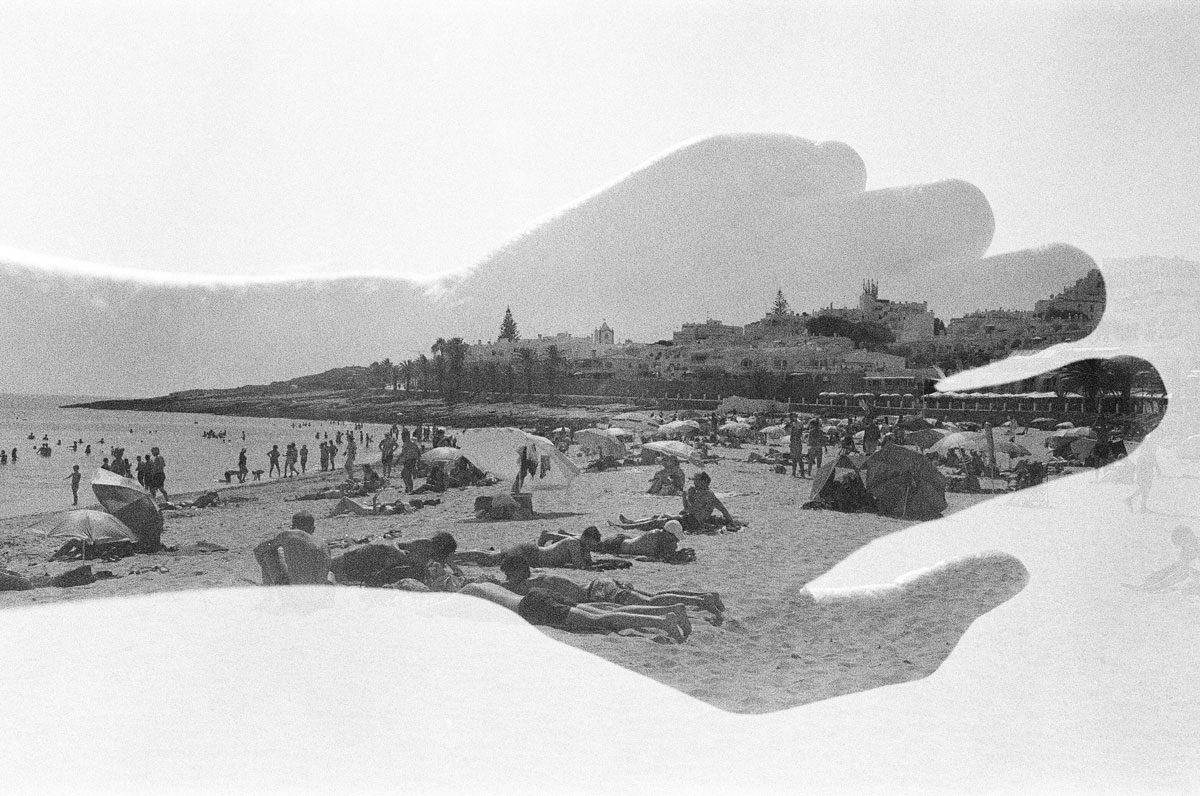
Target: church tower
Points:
(867, 301)
(603, 335)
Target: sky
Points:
(199, 139)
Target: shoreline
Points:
(363, 407)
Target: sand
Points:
(780, 644)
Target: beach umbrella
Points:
(679, 428)
(1073, 433)
(736, 429)
(500, 451)
(1064, 425)
(1011, 449)
(914, 423)
(904, 483)
(126, 500)
(443, 455)
(90, 526)
(967, 440)
(925, 438)
(594, 440)
(773, 432)
(675, 448)
(1042, 423)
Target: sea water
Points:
(36, 483)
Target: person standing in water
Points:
(75, 478)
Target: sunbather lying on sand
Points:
(378, 564)
(602, 590)
(541, 607)
(350, 506)
(569, 551)
(294, 556)
(699, 505)
(655, 543)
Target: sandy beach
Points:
(780, 645)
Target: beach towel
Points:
(602, 564)
(684, 555)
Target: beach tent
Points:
(126, 500)
(836, 466)
(1082, 447)
(904, 483)
(500, 451)
(839, 484)
(674, 448)
(441, 455)
(596, 441)
(636, 421)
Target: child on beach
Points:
(75, 477)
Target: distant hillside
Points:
(711, 229)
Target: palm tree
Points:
(1086, 377)
(456, 356)
(438, 349)
(423, 371)
(405, 371)
(1096, 378)
(387, 372)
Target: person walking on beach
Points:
(816, 445)
(142, 464)
(289, 461)
(333, 452)
(243, 467)
(324, 456)
(304, 458)
(273, 457)
(158, 474)
(75, 477)
(387, 450)
(351, 454)
(795, 445)
(1146, 468)
(410, 454)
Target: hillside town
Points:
(880, 345)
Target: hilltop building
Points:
(909, 321)
(1084, 299)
